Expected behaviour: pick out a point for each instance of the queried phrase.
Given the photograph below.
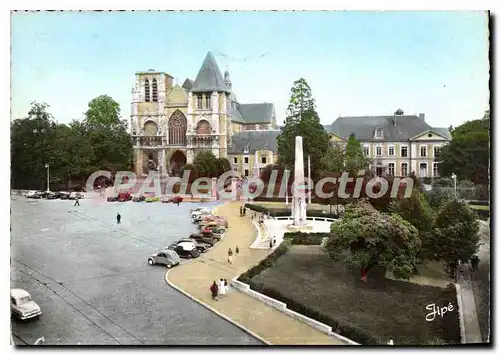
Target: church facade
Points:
(171, 123)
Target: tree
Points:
(468, 154)
(416, 210)
(439, 196)
(455, 236)
(373, 238)
(206, 164)
(355, 158)
(333, 160)
(302, 120)
(107, 133)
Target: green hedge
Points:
(265, 263)
(301, 238)
(347, 331)
(285, 212)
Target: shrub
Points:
(301, 238)
(269, 261)
(439, 196)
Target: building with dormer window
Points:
(170, 123)
(398, 144)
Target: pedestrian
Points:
(214, 290)
(237, 250)
(474, 261)
(230, 256)
(274, 241)
(118, 218)
(226, 286)
(270, 243)
(222, 288)
(77, 203)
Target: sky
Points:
(356, 63)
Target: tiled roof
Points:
(443, 131)
(235, 114)
(395, 128)
(188, 84)
(209, 77)
(256, 113)
(254, 140)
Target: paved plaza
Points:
(91, 278)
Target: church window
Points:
(177, 126)
(208, 102)
(199, 103)
(155, 91)
(147, 93)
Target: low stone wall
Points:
(460, 314)
(282, 307)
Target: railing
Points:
(322, 219)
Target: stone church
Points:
(170, 123)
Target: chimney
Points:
(422, 116)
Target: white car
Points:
(22, 306)
(33, 194)
(200, 211)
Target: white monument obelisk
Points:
(299, 195)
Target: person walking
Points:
(230, 256)
(226, 286)
(77, 203)
(222, 288)
(274, 241)
(214, 290)
(118, 218)
(237, 251)
(270, 243)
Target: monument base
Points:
(306, 227)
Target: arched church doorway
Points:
(177, 162)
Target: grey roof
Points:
(443, 131)
(256, 113)
(254, 140)
(188, 84)
(235, 114)
(364, 127)
(209, 77)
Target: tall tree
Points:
(302, 120)
(108, 136)
(333, 160)
(355, 158)
(468, 154)
(371, 238)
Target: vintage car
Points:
(208, 239)
(124, 197)
(201, 246)
(168, 258)
(64, 195)
(53, 195)
(166, 200)
(112, 199)
(185, 249)
(75, 195)
(200, 211)
(177, 199)
(140, 198)
(22, 306)
(33, 194)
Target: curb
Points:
(214, 311)
(460, 314)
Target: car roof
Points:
(18, 293)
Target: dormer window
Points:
(378, 133)
(245, 150)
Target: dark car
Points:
(168, 258)
(124, 197)
(139, 198)
(202, 247)
(53, 195)
(112, 199)
(212, 240)
(185, 249)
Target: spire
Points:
(227, 79)
(209, 77)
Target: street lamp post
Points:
(48, 177)
(454, 177)
(309, 177)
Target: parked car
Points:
(64, 195)
(53, 195)
(139, 198)
(124, 197)
(166, 200)
(212, 240)
(112, 199)
(75, 195)
(33, 194)
(22, 306)
(201, 246)
(177, 199)
(185, 249)
(200, 211)
(168, 258)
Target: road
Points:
(91, 278)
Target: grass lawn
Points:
(382, 308)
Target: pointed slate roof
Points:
(188, 84)
(209, 77)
